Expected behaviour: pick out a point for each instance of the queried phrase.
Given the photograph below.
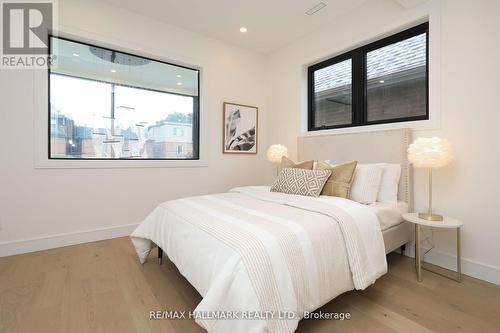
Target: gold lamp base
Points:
(430, 217)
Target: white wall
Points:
(467, 66)
(46, 202)
(36, 203)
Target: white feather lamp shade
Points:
(276, 152)
(430, 152)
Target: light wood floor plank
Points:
(101, 287)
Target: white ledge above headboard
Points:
(387, 146)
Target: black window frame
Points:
(359, 81)
(196, 107)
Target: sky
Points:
(88, 102)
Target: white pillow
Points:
(366, 183)
(389, 185)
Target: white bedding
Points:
(255, 250)
(388, 214)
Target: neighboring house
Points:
(170, 140)
(163, 140)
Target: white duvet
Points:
(269, 257)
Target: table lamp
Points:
(275, 153)
(430, 153)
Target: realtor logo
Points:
(25, 33)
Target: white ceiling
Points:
(271, 23)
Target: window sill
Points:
(113, 164)
(430, 124)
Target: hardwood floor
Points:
(101, 287)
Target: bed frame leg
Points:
(403, 248)
(160, 255)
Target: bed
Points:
(386, 146)
(263, 260)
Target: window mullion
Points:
(112, 119)
(358, 88)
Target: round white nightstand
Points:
(447, 223)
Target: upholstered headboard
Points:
(387, 146)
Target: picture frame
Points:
(239, 128)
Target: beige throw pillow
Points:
(288, 163)
(301, 181)
(339, 183)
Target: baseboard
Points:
(50, 242)
(472, 268)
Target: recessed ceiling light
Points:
(243, 29)
(113, 70)
(381, 81)
(179, 83)
(76, 55)
(178, 75)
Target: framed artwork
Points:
(240, 129)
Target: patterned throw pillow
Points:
(301, 181)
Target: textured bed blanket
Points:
(251, 251)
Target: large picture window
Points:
(106, 104)
(382, 82)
